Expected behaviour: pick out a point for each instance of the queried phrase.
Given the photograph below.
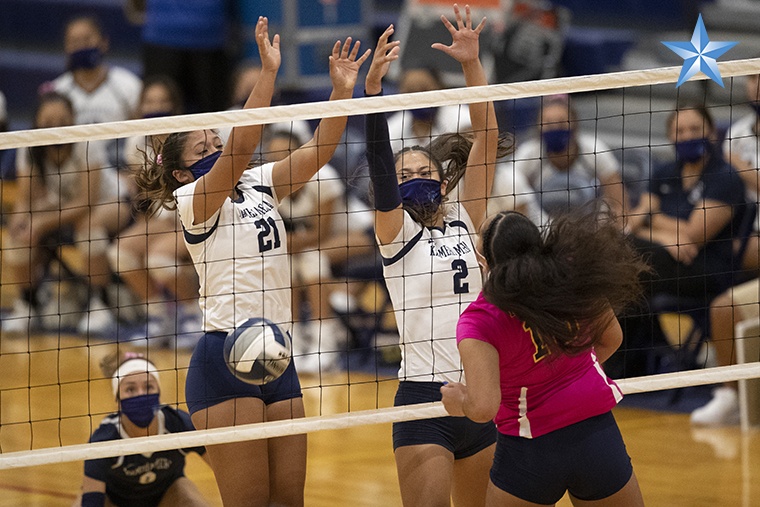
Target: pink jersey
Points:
(538, 394)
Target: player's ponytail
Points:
(155, 177)
(563, 282)
(451, 151)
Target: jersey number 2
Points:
(460, 286)
(267, 226)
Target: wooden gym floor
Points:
(677, 465)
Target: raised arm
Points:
(481, 163)
(389, 214)
(290, 173)
(214, 187)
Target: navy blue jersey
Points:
(718, 182)
(140, 480)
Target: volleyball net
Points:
(52, 395)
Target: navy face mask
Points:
(204, 165)
(85, 59)
(140, 409)
(421, 193)
(426, 114)
(692, 150)
(556, 141)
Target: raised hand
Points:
(344, 66)
(465, 45)
(268, 51)
(385, 53)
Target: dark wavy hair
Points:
(561, 281)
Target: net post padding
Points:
(332, 422)
(358, 106)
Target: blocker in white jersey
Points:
(432, 274)
(240, 254)
(235, 236)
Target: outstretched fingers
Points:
(458, 16)
(363, 58)
(346, 47)
(448, 25)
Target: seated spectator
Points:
(737, 304)
(743, 301)
(564, 167)
(150, 255)
(99, 92)
(687, 223)
(326, 226)
(741, 148)
(419, 126)
(150, 479)
(64, 196)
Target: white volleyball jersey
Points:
(432, 275)
(240, 254)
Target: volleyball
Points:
(258, 351)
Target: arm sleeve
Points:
(382, 168)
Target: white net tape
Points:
(328, 109)
(332, 422)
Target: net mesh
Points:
(53, 395)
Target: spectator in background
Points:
(686, 225)
(741, 148)
(323, 221)
(64, 195)
(151, 479)
(737, 304)
(150, 255)
(420, 126)
(564, 167)
(187, 40)
(99, 92)
(743, 301)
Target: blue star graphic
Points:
(699, 54)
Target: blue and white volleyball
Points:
(258, 351)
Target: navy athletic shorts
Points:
(210, 382)
(587, 458)
(461, 436)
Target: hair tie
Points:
(159, 159)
